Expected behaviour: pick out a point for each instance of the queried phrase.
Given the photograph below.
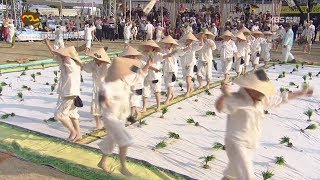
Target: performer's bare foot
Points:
(187, 95)
(207, 86)
(158, 109)
(71, 136)
(125, 172)
(200, 87)
(143, 110)
(104, 167)
(98, 127)
(77, 138)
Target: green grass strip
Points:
(74, 159)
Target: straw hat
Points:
(240, 35)
(257, 32)
(245, 30)
(122, 67)
(69, 52)
(227, 33)
(189, 36)
(257, 81)
(130, 51)
(267, 33)
(207, 32)
(169, 40)
(152, 44)
(100, 54)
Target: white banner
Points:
(40, 36)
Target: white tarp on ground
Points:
(182, 155)
(67, 2)
(39, 36)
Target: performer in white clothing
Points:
(170, 65)
(136, 88)
(88, 36)
(188, 60)
(99, 69)
(245, 110)
(287, 44)
(205, 58)
(153, 81)
(69, 89)
(247, 55)
(256, 48)
(122, 74)
(227, 49)
(266, 47)
(241, 44)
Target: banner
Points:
(288, 10)
(149, 6)
(40, 36)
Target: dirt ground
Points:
(15, 169)
(37, 51)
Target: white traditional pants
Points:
(67, 109)
(151, 87)
(240, 164)
(115, 125)
(168, 79)
(116, 134)
(205, 70)
(239, 66)
(226, 65)
(255, 58)
(286, 54)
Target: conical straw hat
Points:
(267, 33)
(169, 40)
(246, 31)
(122, 67)
(189, 36)
(207, 32)
(240, 35)
(130, 51)
(257, 32)
(69, 52)
(257, 81)
(227, 33)
(152, 44)
(100, 54)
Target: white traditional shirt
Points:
(70, 78)
(241, 47)
(227, 49)
(118, 94)
(190, 55)
(157, 63)
(205, 53)
(99, 73)
(88, 32)
(256, 44)
(244, 120)
(170, 64)
(149, 28)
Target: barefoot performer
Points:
(205, 58)
(99, 69)
(245, 110)
(69, 89)
(137, 88)
(188, 60)
(170, 65)
(122, 74)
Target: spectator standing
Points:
(149, 30)
(287, 44)
(98, 25)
